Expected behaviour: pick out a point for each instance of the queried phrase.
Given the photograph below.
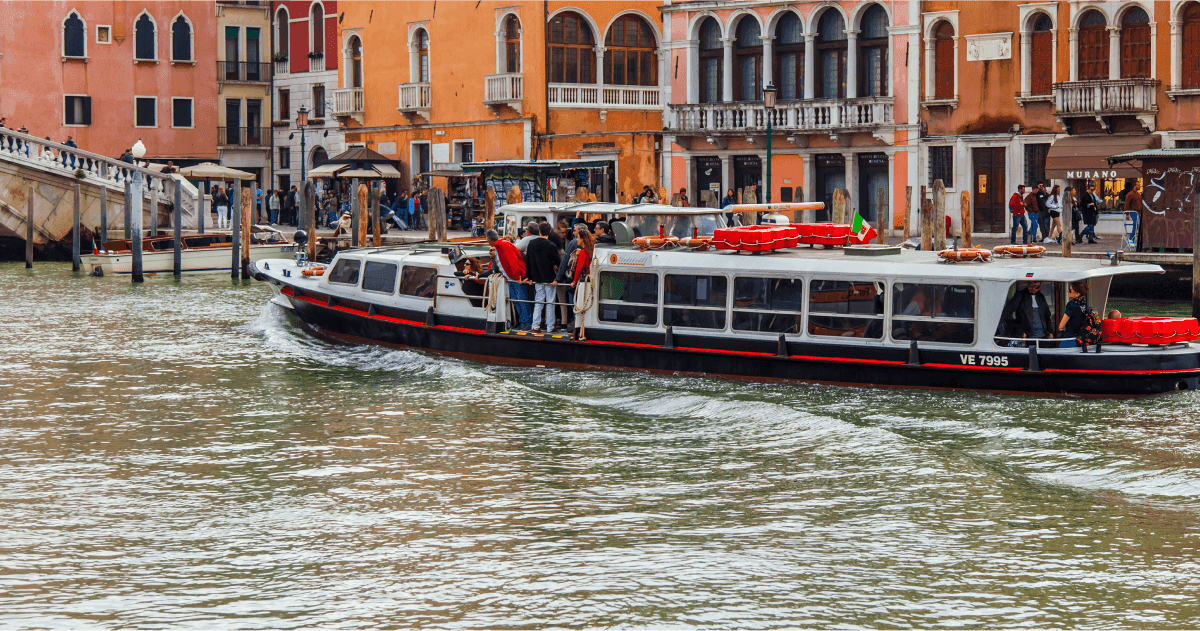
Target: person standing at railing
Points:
(71, 143)
(511, 264)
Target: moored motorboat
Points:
(199, 253)
(898, 318)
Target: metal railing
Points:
(1114, 96)
(819, 115)
(347, 101)
(244, 136)
(243, 72)
(414, 97)
(503, 88)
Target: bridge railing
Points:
(74, 162)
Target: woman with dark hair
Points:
(1075, 315)
(582, 260)
(221, 201)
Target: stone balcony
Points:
(1102, 100)
(503, 91)
(282, 67)
(790, 119)
(348, 103)
(605, 97)
(414, 100)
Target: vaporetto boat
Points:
(867, 316)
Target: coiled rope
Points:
(585, 295)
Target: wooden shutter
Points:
(1135, 51)
(1042, 63)
(87, 110)
(1191, 47)
(943, 64)
(1093, 53)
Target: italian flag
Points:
(861, 231)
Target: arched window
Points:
(943, 61)
(1191, 46)
(144, 38)
(423, 56)
(1093, 46)
(712, 62)
(356, 80)
(74, 36)
(629, 56)
(512, 44)
(1041, 63)
(831, 56)
(747, 63)
(789, 57)
(1135, 44)
(281, 31)
(317, 22)
(319, 157)
(181, 40)
(873, 53)
(572, 50)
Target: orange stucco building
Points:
(436, 85)
(109, 73)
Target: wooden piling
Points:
(235, 219)
(201, 212)
(128, 210)
(1069, 210)
(103, 215)
(177, 215)
(839, 206)
(377, 233)
(75, 261)
(307, 202)
(967, 220)
(29, 232)
(437, 215)
(907, 212)
(135, 198)
(926, 222)
(489, 209)
(939, 215)
(354, 212)
(881, 194)
(1195, 261)
(248, 208)
(153, 227)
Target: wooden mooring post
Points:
(29, 232)
(907, 213)
(75, 261)
(1195, 262)
(201, 213)
(177, 217)
(1069, 210)
(235, 217)
(308, 211)
(354, 214)
(103, 215)
(926, 222)
(128, 209)
(135, 198)
(967, 222)
(377, 232)
(939, 215)
(247, 225)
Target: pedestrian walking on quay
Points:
(1016, 206)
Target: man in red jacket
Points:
(1016, 205)
(511, 264)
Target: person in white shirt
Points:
(1054, 204)
(531, 233)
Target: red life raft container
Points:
(1148, 330)
(754, 238)
(823, 233)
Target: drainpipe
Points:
(546, 74)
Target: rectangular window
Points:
(767, 304)
(103, 34)
(465, 152)
(285, 105)
(419, 282)
(933, 313)
(285, 157)
(710, 81)
(1187, 144)
(181, 113)
(77, 110)
(345, 272)
(145, 111)
(839, 308)
(1035, 164)
(941, 166)
(232, 52)
(379, 277)
(556, 65)
(694, 301)
(318, 101)
(629, 297)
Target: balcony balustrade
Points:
(503, 90)
(250, 137)
(316, 64)
(1114, 97)
(829, 116)
(348, 102)
(243, 72)
(415, 99)
(605, 97)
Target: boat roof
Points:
(604, 208)
(907, 263)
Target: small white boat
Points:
(200, 253)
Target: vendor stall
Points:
(547, 180)
(464, 196)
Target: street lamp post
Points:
(769, 110)
(302, 122)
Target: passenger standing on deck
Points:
(1075, 315)
(541, 261)
(1028, 313)
(512, 265)
(562, 280)
(1016, 206)
(531, 233)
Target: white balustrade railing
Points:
(347, 101)
(609, 96)
(282, 67)
(824, 115)
(316, 64)
(414, 97)
(503, 88)
(1106, 97)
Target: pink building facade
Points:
(846, 117)
(109, 73)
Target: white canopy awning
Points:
(327, 170)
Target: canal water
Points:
(181, 455)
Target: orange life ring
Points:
(646, 243)
(966, 254)
(698, 242)
(1020, 251)
(313, 271)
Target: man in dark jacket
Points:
(1032, 211)
(1043, 211)
(1090, 207)
(562, 282)
(1028, 313)
(604, 233)
(541, 263)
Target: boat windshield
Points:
(680, 226)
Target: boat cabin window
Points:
(511, 225)
(767, 304)
(675, 225)
(694, 301)
(1017, 319)
(345, 271)
(629, 297)
(379, 277)
(419, 282)
(842, 308)
(933, 313)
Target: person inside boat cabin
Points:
(1027, 313)
(474, 279)
(1075, 317)
(604, 234)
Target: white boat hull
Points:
(163, 262)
